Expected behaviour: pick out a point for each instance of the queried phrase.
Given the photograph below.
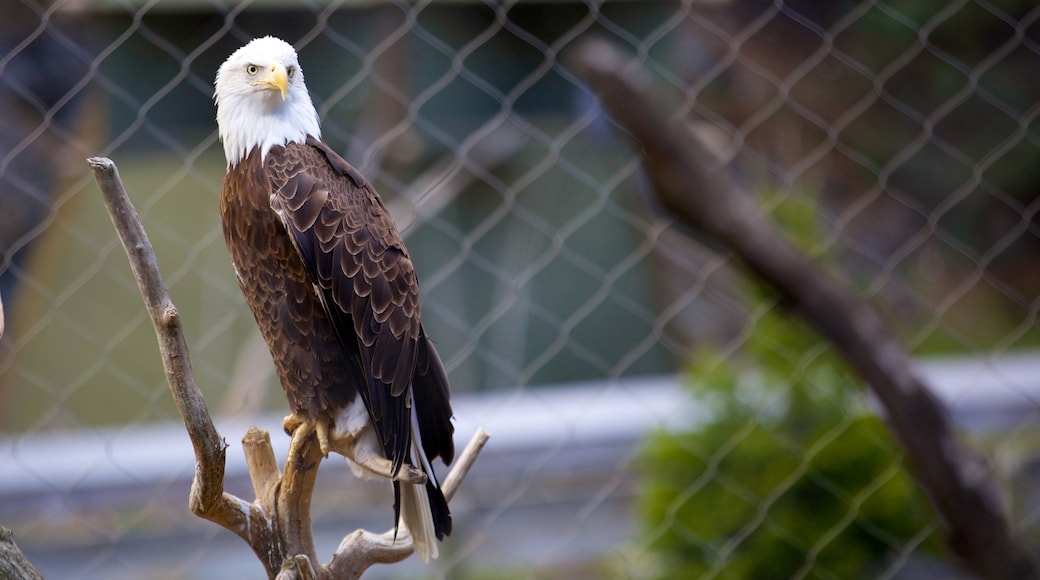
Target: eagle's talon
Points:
(293, 423)
(411, 474)
(322, 429)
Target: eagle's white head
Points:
(262, 100)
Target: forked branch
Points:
(277, 524)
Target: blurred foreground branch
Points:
(959, 482)
(277, 525)
(13, 564)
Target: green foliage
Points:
(792, 475)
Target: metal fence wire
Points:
(653, 412)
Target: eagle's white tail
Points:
(416, 516)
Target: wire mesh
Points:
(895, 140)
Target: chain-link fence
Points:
(896, 141)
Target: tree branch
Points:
(13, 564)
(207, 497)
(958, 481)
(277, 525)
(360, 550)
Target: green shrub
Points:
(792, 476)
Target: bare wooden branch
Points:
(297, 568)
(13, 564)
(361, 550)
(277, 524)
(464, 463)
(294, 497)
(260, 460)
(959, 481)
(207, 498)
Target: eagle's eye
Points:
(252, 70)
(291, 71)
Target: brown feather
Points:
(327, 227)
(316, 377)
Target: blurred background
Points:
(653, 413)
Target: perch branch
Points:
(294, 497)
(13, 564)
(260, 460)
(360, 550)
(277, 525)
(207, 497)
(958, 480)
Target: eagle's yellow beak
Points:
(275, 78)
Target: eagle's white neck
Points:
(248, 119)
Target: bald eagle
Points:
(330, 283)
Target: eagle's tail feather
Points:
(418, 519)
(423, 508)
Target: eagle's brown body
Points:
(311, 365)
(330, 283)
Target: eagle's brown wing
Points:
(317, 378)
(361, 270)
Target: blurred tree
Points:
(917, 118)
(793, 475)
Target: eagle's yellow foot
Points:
(351, 447)
(319, 425)
(411, 474)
